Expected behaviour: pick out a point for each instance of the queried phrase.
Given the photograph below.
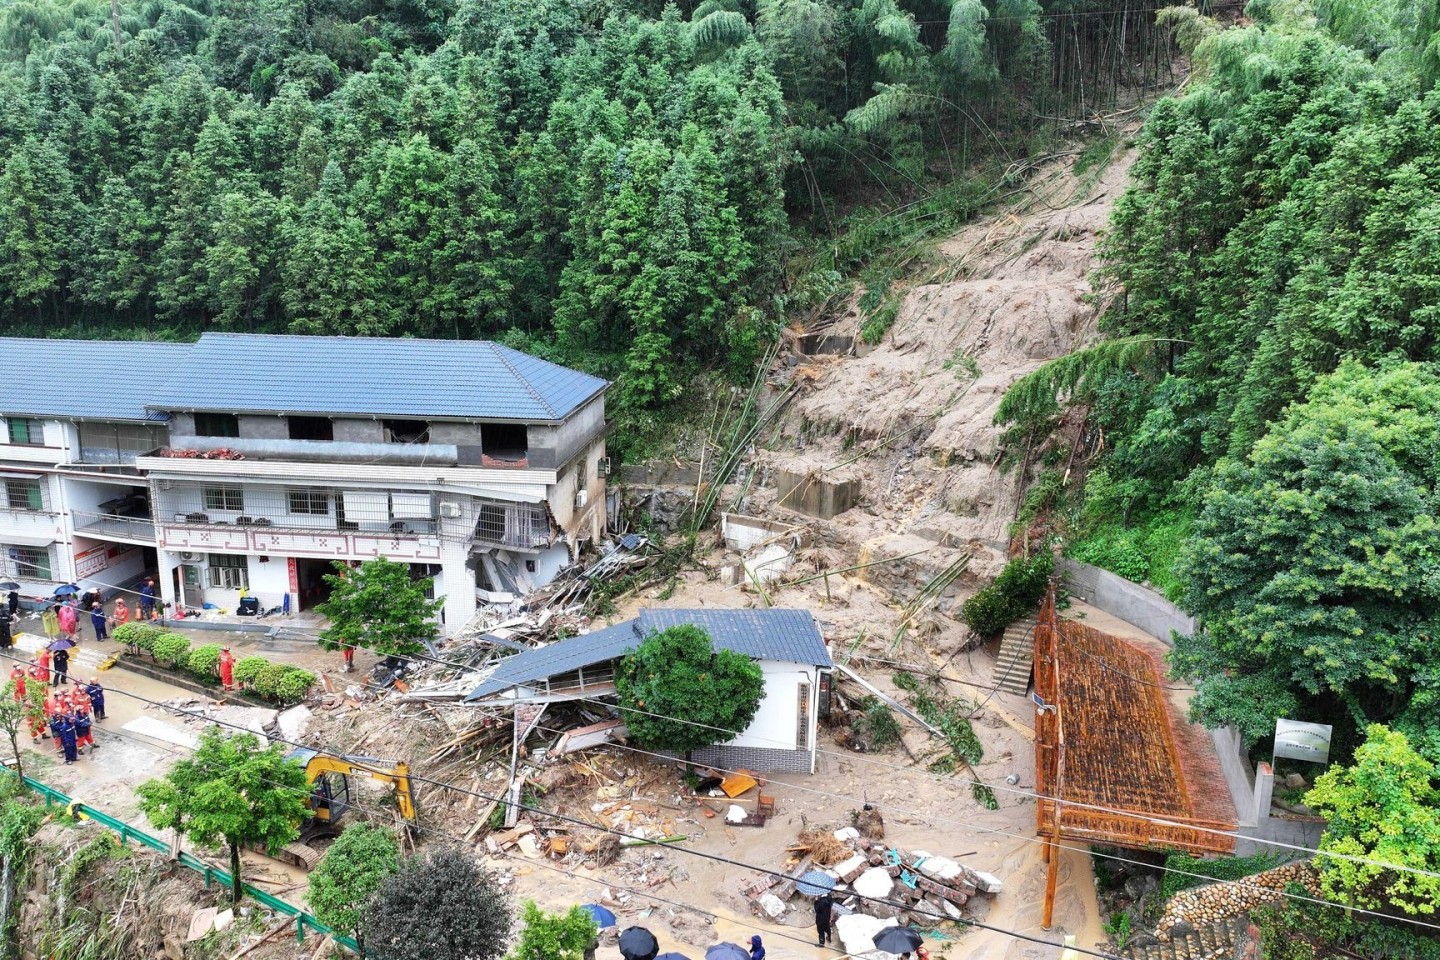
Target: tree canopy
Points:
(440, 906)
(553, 936)
(232, 791)
(615, 183)
(379, 606)
(1312, 567)
(349, 874)
(1382, 810)
(677, 692)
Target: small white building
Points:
(786, 644)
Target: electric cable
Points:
(415, 778)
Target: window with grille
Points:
(802, 718)
(31, 562)
(229, 571)
(108, 442)
(217, 425)
(24, 495)
(225, 498)
(25, 431)
(310, 502)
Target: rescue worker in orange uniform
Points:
(227, 669)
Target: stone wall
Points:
(1129, 601)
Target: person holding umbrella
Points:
(898, 940)
(62, 661)
(637, 943)
(6, 619)
(824, 905)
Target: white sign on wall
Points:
(1295, 740)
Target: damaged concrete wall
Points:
(815, 495)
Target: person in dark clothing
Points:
(96, 693)
(66, 733)
(13, 602)
(6, 619)
(59, 665)
(99, 621)
(147, 600)
(757, 949)
(82, 731)
(824, 904)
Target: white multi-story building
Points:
(271, 457)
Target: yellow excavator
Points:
(329, 776)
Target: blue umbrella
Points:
(603, 918)
(814, 883)
(672, 956)
(66, 590)
(726, 951)
(64, 643)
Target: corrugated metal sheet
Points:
(84, 379)
(785, 635)
(365, 376)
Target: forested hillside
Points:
(1261, 427)
(618, 183)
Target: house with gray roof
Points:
(256, 461)
(786, 644)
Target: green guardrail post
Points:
(299, 928)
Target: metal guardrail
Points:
(303, 920)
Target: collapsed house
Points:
(786, 643)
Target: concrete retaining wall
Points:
(1129, 601)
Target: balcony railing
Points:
(109, 526)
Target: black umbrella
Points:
(8, 585)
(672, 956)
(726, 951)
(898, 940)
(637, 943)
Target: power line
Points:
(566, 818)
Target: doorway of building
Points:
(311, 577)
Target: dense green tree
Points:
(1382, 818)
(350, 873)
(553, 936)
(677, 673)
(233, 792)
(37, 224)
(1312, 570)
(378, 606)
(438, 907)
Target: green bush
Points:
(248, 668)
(880, 722)
(1013, 594)
(267, 681)
(204, 661)
(293, 684)
(171, 649)
(141, 635)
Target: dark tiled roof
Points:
(372, 376)
(786, 635)
(83, 379)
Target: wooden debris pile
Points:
(915, 887)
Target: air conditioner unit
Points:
(190, 557)
(602, 466)
(582, 498)
(449, 508)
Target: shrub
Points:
(1013, 594)
(171, 649)
(248, 668)
(140, 635)
(267, 681)
(204, 661)
(879, 722)
(293, 684)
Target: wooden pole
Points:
(1052, 849)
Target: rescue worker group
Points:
(68, 712)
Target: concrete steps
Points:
(1212, 941)
(1017, 656)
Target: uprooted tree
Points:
(677, 692)
(378, 605)
(233, 792)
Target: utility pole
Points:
(115, 23)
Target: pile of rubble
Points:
(876, 885)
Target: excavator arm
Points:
(394, 773)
